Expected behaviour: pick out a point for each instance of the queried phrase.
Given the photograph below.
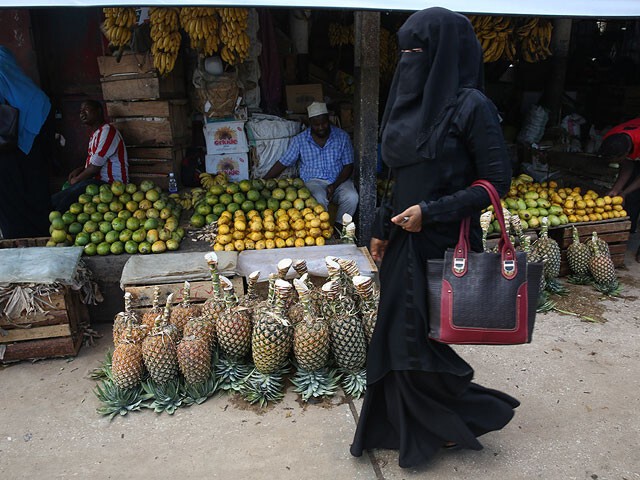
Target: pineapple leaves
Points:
(117, 401)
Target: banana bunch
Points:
(117, 25)
(233, 34)
(340, 34)
(207, 180)
(201, 24)
(388, 52)
(495, 34)
(166, 38)
(535, 38)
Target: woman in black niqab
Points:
(439, 134)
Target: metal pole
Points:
(560, 41)
(367, 76)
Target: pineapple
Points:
(181, 314)
(601, 245)
(544, 303)
(311, 351)
(369, 298)
(159, 349)
(549, 251)
(271, 343)
(127, 366)
(311, 335)
(125, 319)
(121, 320)
(149, 317)
(234, 326)
(194, 358)
(203, 328)
(579, 257)
(602, 269)
(348, 342)
(272, 336)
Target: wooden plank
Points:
(58, 317)
(151, 166)
(152, 108)
(372, 264)
(21, 334)
(607, 237)
(165, 153)
(141, 131)
(128, 64)
(142, 87)
(587, 228)
(23, 242)
(47, 348)
(142, 296)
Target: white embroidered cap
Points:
(317, 108)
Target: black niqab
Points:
(427, 84)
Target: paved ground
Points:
(579, 384)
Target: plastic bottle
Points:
(173, 184)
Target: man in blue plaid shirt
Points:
(326, 161)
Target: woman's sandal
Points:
(450, 445)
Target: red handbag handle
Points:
(507, 251)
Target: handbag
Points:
(8, 127)
(483, 298)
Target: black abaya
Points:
(419, 393)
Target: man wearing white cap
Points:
(326, 161)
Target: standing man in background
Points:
(326, 162)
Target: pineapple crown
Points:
(576, 236)
(272, 291)
(186, 294)
(283, 290)
(350, 267)
(364, 286)
(252, 280)
(156, 298)
(485, 220)
(283, 267)
(229, 295)
(333, 267)
(300, 266)
(346, 219)
(127, 302)
(163, 319)
(212, 261)
(544, 231)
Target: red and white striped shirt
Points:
(107, 150)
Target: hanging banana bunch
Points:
(233, 33)
(535, 39)
(388, 53)
(117, 25)
(495, 34)
(201, 24)
(166, 38)
(341, 34)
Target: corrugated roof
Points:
(559, 8)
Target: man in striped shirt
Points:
(325, 154)
(106, 157)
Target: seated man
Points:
(106, 157)
(326, 161)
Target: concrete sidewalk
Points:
(579, 384)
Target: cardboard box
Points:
(234, 165)
(225, 137)
(299, 97)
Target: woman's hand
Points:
(377, 248)
(410, 220)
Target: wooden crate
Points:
(615, 232)
(142, 295)
(23, 242)
(55, 333)
(161, 180)
(148, 86)
(155, 160)
(152, 123)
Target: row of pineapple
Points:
(590, 262)
(173, 356)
